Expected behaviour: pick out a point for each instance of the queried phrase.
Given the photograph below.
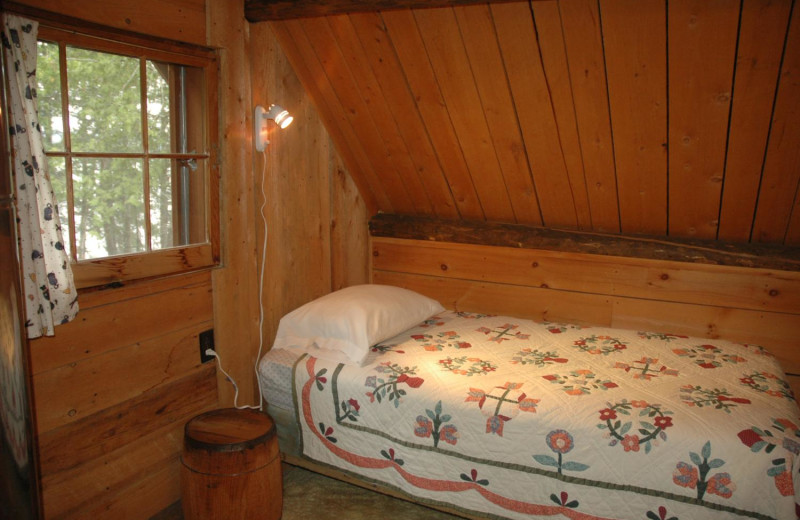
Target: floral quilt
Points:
(507, 418)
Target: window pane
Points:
(104, 102)
(58, 178)
(109, 206)
(161, 205)
(48, 93)
(158, 107)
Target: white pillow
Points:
(342, 326)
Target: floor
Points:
(310, 495)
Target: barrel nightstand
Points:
(231, 467)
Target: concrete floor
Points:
(308, 495)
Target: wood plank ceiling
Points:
(676, 118)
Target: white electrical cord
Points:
(210, 352)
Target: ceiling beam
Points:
(265, 10)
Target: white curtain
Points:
(50, 294)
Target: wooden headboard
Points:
(754, 305)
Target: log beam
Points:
(528, 237)
(265, 10)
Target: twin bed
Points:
(501, 417)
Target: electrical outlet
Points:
(206, 342)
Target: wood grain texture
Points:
(699, 301)
(423, 105)
(316, 217)
(102, 329)
(549, 29)
(635, 39)
(445, 49)
(743, 288)
(74, 490)
(261, 10)
(566, 113)
(480, 41)
(782, 258)
(183, 20)
(584, 45)
(235, 287)
(700, 32)
(761, 36)
(529, 86)
(777, 195)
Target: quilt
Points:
(502, 417)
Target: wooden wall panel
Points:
(183, 20)
(423, 106)
(700, 32)
(778, 192)
(113, 389)
(445, 49)
(694, 299)
(584, 42)
(760, 51)
(547, 18)
(399, 153)
(357, 112)
(480, 40)
(623, 116)
(528, 82)
(316, 231)
(635, 37)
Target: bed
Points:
(501, 417)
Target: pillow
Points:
(342, 326)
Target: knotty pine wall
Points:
(114, 388)
(673, 118)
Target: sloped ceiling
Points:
(678, 118)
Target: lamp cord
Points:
(210, 352)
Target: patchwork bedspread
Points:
(509, 418)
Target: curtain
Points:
(50, 294)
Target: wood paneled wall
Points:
(115, 387)
(664, 117)
(755, 306)
(113, 390)
(317, 234)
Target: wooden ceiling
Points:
(678, 118)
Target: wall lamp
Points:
(262, 115)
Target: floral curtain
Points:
(50, 294)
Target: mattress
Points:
(508, 418)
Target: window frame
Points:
(176, 259)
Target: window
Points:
(126, 131)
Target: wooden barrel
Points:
(231, 467)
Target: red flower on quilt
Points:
(607, 414)
(630, 442)
(663, 422)
(413, 382)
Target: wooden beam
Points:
(783, 258)
(265, 10)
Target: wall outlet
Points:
(206, 342)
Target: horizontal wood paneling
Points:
(699, 300)
(753, 289)
(624, 116)
(112, 326)
(113, 389)
(183, 20)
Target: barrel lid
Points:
(229, 429)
